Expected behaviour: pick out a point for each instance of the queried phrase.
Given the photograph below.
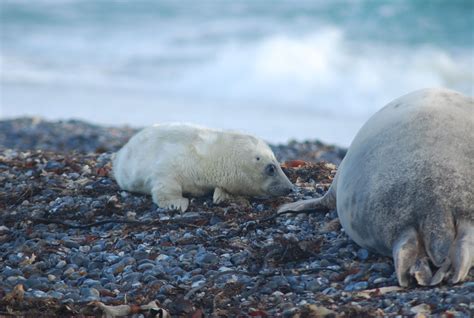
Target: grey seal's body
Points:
(405, 187)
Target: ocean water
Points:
(279, 69)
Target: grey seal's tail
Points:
(326, 202)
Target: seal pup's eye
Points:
(270, 169)
(258, 158)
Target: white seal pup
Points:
(406, 186)
(169, 160)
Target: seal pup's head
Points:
(256, 169)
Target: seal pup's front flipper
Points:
(169, 195)
(325, 203)
(220, 196)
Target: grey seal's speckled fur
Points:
(405, 187)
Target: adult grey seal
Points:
(405, 187)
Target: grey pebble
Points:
(331, 291)
(91, 283)
(55, 294)
(380, 280)
(79, 259)
(132, 277)
(71, 244)
(61, 264)
(37, 283)
(215, 220)
(84, 248)
(167, 289)
(240, 258)
(69, 271)
(206, 258)
(90, 294)
(356, 286)
(112, 258)
(384, 268)
(98, 247)
(8, 271)
(145, 266)
(362, 254)
(50, 165)
(37, 294)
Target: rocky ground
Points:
(72, 243)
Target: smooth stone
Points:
(13, 280)
(74, 175)
(206, 258)
(71, 244)
(112, 259)
(468, 285)
(145, 266)
(461, 299)
(198, 283)
(384, 268)
(85, 248)
(11, 272)
(39, 294)
(132, 277)
(140, 255)
(162, 257)
(95, 274)
(215, 220)
(69, 271)
(91, 283)
(167, 289)
(55, 294)
(240, 258)
(97, 248)
(128, 261)
(90, 294)
(51, 165)
(324, 263)
(61, 264)
(330, 291)
(356, 286)
(97, 205)
(36, 283)
(136, 285)
(74, 296)
(380, 280)
(362, 254)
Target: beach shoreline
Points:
(55, 259)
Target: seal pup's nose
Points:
(290, 189)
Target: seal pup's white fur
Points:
(406, 186)
(169, 160)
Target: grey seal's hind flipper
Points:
(326, 202)
(461, 256)
(410, 260)
(463, 252)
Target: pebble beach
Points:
(72, 243)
